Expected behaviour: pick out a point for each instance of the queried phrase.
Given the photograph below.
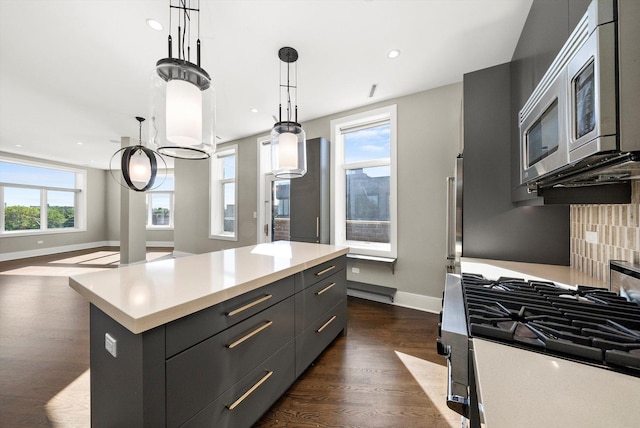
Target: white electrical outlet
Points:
(111, 345)
(355, 270)
(591, 237)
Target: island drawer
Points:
(311, 342)
(317, 299)
(318, 273)
(200, 374)
(244, 403)
(192, 329)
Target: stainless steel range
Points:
(590, 326)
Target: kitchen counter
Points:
(548, 391)
(562, 275)
(211, 339)
(143, 296)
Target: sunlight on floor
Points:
(70, 408)
(432, 378)
(91, 262)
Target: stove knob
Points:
(442, 350)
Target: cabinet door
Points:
(243, 404)
(200, 374)
(309, 213)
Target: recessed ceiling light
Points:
(18, 145)
(393, 54)
(155, 25)
(254, 110)
(79, 143)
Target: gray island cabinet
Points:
(210, 340)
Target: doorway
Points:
(277, 209)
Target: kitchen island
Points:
(211, 339)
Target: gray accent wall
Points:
(429, 139)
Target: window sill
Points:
(375, 259)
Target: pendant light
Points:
(137, 166)
(288, 145)
(183, 101)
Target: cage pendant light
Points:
(182, 121)
(136, 167)
(288, 140)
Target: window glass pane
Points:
(160, 209)
(229, 204)
(367, 144)
(367, 204)
(280, 210)
(60, 209)
(36, 176)
(21, 209)
(228, 167)
(167, 184)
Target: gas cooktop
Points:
(589, 324)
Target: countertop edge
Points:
(153, 320)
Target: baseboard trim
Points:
(51, 250)
(406, 300)
(16, 255)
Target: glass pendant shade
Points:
(182, 110)
(288, 140)
(139, 168)
(288, 150)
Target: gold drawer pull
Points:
(249, 335)
(325, 325)
(250, 391)
(249, 305)
(325, 288)
(322, 272)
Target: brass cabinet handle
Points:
(249, 305)
(325, 288)
(322, 272)
(325, 325)
(249, 335)
(250, 391)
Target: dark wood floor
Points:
(383, 373)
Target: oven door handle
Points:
(455, 402)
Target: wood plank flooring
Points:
(383, 373)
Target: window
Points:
(364, 182)
(224, 194)
(37, 198)
(160, 204)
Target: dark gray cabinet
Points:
(223, 366)
(493, 226)
(309, 196)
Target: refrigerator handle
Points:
(451, 218)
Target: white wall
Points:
(429, 136)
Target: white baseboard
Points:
(406, 300)
(418, 301)
(66, 248)
(52, 250)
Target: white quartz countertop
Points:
(146, 295)
(565, 275)
(546, 391)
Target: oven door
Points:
(592, 99)
(543, 134)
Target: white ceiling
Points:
(78, 71)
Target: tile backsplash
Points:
(614, 234)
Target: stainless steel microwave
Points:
(585, 109)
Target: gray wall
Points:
(429, 136)
(96, 218)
